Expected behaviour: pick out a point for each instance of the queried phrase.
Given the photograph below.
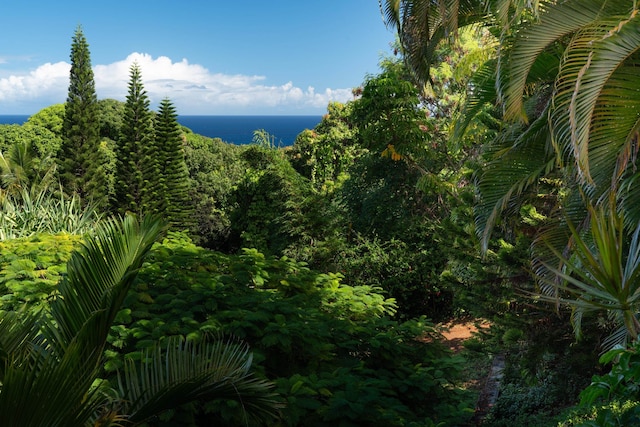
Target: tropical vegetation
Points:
(486, 173)
(54, 355)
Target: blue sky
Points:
(208, 57)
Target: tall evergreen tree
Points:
(172, 166)
(136, 185)
(81, 162)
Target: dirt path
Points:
(455, 333)
(458, 331)
(490, 390)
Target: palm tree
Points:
(50, 362)
(21, 170)
(594, 109)
(564, 87)
(423, 24)
(584, 51)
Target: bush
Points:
(215, 168)
(30, 269)
(409, 272)
(332, 350)
(612, 399)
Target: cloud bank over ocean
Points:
(192, 88)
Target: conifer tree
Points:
(80, 160)
(137, 183)
(172, 166)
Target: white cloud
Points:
(192, 88)
(47, 83)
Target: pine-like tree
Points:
(137, 185)
(172, 166)
(80, 159)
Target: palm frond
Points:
(422, 24)
(555, 236)
(508, 11)
(556, 21)
(16, 334)
(629, 195)
(482, 92)
(391, 12)
(592, 86)
(39, 390)
(618, 337)
(98, 278)
(511, 173)
(183, 372)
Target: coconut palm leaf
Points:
(595, 105)
(629, 195)
(512, 171)
(556, 21)
(618, 337)
(184, 371)
(613, 134)
(508, 11)
(483, 90)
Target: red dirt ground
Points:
(457, 331)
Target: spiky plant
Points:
(601, 273)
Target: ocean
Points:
(233, 129)
(239, 129)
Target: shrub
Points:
(331, 348)
(30, 269)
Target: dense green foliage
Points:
(612, 398)
(111, 118)
(214, 169)
(553, 101)
(319, 337)
(43, 139)
(325, 153)
(268, 202)
(331, 349)
(459, 181)
(61, 345)
(32, 268)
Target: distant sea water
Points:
(13, 119)
(233, 129)
(239, 129)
